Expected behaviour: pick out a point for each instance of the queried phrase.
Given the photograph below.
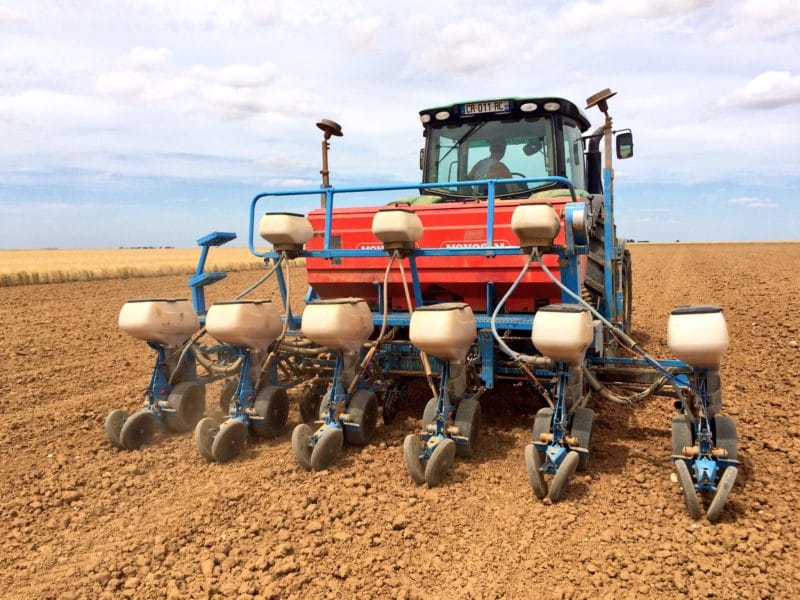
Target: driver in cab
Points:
(491, 167)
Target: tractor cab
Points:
(515, 138)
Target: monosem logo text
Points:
(479, 244)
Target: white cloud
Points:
(238, 75)
(759, 19)
(468, 46)
(11, 15)
(360, 33)
(771, 89)
(146, 59)
(583, 16)
(751, 202)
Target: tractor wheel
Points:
(582, 429)
(327, 448)
(230, 440)
(440, 461)
(113, 425)
(725, 435)
(138, 429)
(565, 472)
(721, 497)
(468, 420)
(301, 444)
(681, 434)
(412, 449)
(363, 411)
(533, 463)
(188, 400)
(627, 292)
(689, 493)
(272, 405)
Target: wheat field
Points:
(20, 267)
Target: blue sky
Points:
(152, 122)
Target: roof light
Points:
(528, 107)
(552, 106)
(442, 115)
(425, 118)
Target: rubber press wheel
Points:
(226, 395)
(725, 436)
(689, 494)
(681, 434)
(229, 441)
(541, 424)
(723, 490)
(113, 425)
(188, 400)
(329, 445)
(429, 414)
(272, 405)
(582, 422)
(412, 449)
(533, 463)
(565, 472)
(204, 433)
(301, 444)
(440, 461)
(468, 420)
(363, 411)
(138, 429)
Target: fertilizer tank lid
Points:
(158, 300)
(445, 306)
(397, 209)
(338, 301)
(700, 309)
(243, 302)
(564, 308)
(288, 214)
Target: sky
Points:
(152, 123)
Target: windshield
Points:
(491, 150)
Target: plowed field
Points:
(80, 519)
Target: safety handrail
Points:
(330, 192)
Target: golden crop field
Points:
(19, 267)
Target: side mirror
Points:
(625, 145)
(421, 159)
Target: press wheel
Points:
(188, 400)
(468, 420)
(329, 445)
(533, 462)
(565, 472)
(440, 461)
(272, 405)
(689, 494)
(725, 436)
(226, 395)
(204, 433)
(412, 448)
(681, 434)
(113, 425)
(229, 441)
(138, 429)
(541, 424)
(301, 444)
(723, 490)
(363, 411)
(582, 422)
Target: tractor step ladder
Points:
(201, 279)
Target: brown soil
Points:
(81, 519)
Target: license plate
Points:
(480, 108)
